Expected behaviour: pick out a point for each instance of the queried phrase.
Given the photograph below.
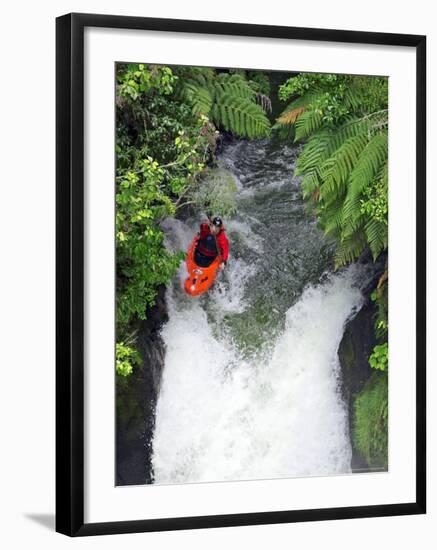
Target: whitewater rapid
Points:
(228, 410)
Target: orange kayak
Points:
(200, 279)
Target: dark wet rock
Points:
(136, 400)
(354, 351)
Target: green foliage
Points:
(126, 358)
(162, 149)
(380, 297)
(379, 358)
(374, 202)
(307, 123)
(148, 125)
(166, 136)
(259, 82)
(325, 93)
(370, 426)
(217, 193)
(142, 260)
(137, 80)
(230, 100)
(344, 161)
(302, 83)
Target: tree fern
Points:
(350, 249)
(234, 84)
(377, 237)
(332, 217)
(337, 168)
(316, 151)
(344, 121)
(310, 183)
(307, 123)
(290, 116)
(323, 143)
(229, 100)
(368, 164)
(199, 97)
(354, 96)
(284, 123)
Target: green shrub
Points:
(379, 358)
(380, 297)
(370, 427)
(125, 359)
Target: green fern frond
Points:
(336, 169)
(352, 224)
(199, 97)
(351, 127)
(229, 100)
(344, 160)
(349, 250)
(377, 237)
(315, 152)
(310, 183)
(241, 116)
(201, 75)
(323, 143)
(352, 211)
(332, 217)
(369, 164)
(294, 109)
(354, 97)
(235, 85)
(307, 123)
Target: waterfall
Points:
(250, 387)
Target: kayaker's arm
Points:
(223, 243)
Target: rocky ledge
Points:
(136, 400)
(354, 351)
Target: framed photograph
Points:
(240, 274)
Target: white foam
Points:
(228, 291)
(244, 231)
(220, 417)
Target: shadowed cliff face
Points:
(136, 400)
(354, 351)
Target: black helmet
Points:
(217, 221)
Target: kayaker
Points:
(212, 241)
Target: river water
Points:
(251, 383)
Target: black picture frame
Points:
(70, 273)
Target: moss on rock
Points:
(370, 421)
